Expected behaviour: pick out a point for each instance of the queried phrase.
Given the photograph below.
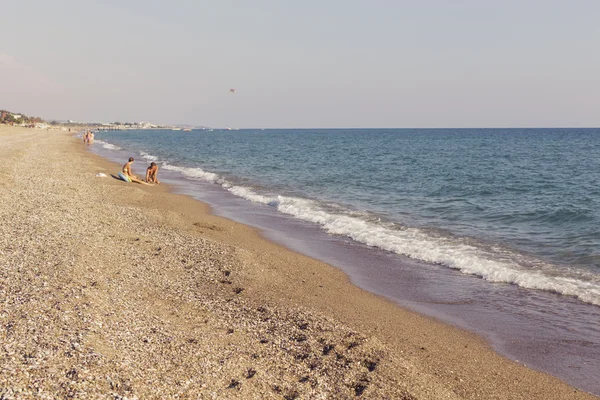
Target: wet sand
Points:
(112, 289)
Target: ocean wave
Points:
(108, 146)
(148, 157)
(568, 215)
(195, 173)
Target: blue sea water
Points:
(517, 208)
(520, 206)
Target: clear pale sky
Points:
(325, 63)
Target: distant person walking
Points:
(86, 137)
(91, 138)
(152, 173)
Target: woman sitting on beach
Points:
(127, 172)
(152, 173)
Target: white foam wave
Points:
(196, 173)
(422, 245)
(148, 157)
(249, 194)
(108, 146)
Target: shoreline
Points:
(316, 324)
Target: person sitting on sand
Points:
(152, 173)
(127, 168)
(127, 172)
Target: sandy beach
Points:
(117, 290)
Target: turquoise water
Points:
(518, 206)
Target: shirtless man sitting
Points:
(152, 173)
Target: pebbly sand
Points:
(121, 291)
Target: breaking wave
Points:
(107, 146)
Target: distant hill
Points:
(12, 118)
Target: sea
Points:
(496, 231)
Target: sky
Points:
(304, 64)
